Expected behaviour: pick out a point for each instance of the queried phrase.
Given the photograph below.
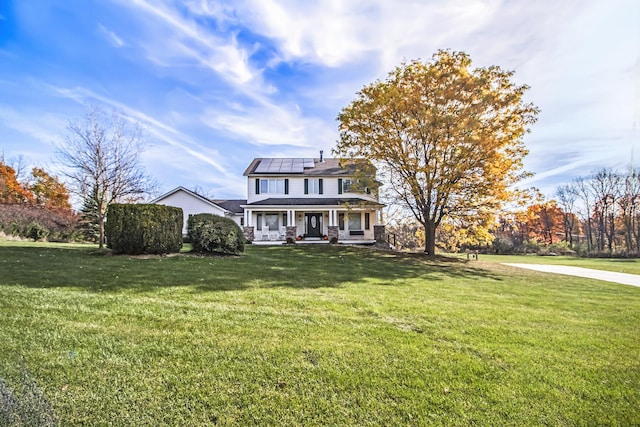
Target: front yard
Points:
(314, 335)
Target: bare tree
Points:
(19, 164)
(583, 190)
(567, 196)
(629, 205)
(206, 192)
(102, 156)
(605, 185)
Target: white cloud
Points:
(44, 130)
(111, 36)
(172, 36)
(333, 33)
(159, 130)
(266, 123)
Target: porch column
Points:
(247, 218)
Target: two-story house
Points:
(310, 200)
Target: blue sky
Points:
(217, 83)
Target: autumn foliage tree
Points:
(48, 191)
(546, 222)
(11, 191)
(447, 138)
(37, 208)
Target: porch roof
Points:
(306, 201)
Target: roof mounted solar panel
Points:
(284, 166)
(263, 166)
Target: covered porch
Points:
(312, 223)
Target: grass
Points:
(315, 335)
(620, 265)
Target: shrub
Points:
(143, 229)
(37, 231)
(213, 233)
(32, 222)
(503, 245)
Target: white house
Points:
(193, 203)
(312, 199)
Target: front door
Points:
(314, 229)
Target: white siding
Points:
(191, 205)
(296, 189)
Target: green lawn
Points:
(620, 265)
(324, 335)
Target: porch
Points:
(313, 224)
(313, 242)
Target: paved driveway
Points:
(607, 276)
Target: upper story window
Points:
(348, 185)
(313, 186)
(272, 186)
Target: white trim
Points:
(191, 193)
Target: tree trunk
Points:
(430, 238)
(101, 228)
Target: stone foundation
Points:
(249, 234)
(333, 232)
(379, 233)
(291, 233)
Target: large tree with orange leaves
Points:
(546, 222)
(447, 138)
(11, 191)
(49, 192)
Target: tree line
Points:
(100, 159)
(600, 213)
(34, 206)
(594, 215)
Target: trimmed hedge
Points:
(144, 229)
(213, 233)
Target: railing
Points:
(391, 237)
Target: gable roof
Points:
(310, 167)
(234, 205)
(230, 206)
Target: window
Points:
(341, 221)
(367, 220)
(258, 221)
(284, 220)
(272, 186)
(313, 186)
(346, 185)
(241, 222)
(271, 221)
(355, 221)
